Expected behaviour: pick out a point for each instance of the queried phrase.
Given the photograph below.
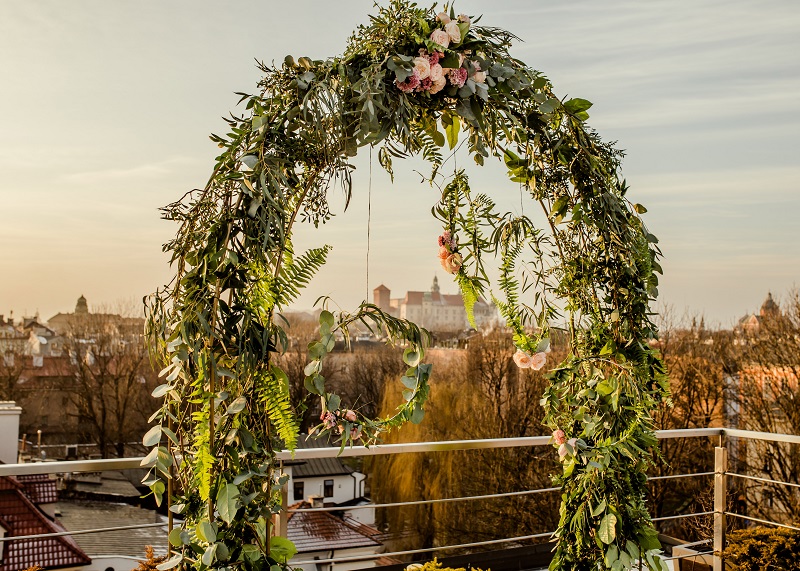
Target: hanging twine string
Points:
(369, 218)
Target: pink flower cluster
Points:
(336, 420)
(428, 76)
(448, 253)
(527, 361)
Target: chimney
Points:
(9, 431)
(316, 501)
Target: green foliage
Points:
(215, 330)
(763, 548)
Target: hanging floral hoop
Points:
(412, 82)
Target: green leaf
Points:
(326, 318)
(599, 508)
(175, 537)
(607, 531)
(161, 390)
(228, 502)
(152, 436)
(411, 357)
(170, 563)
(236, 406)
(205, 531)
(639, 208)
(281, 549)
(251, 552)
(409, 382)
(577, 105)
(209, 555)
(451, 131)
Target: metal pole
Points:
(283, 518)
(720, 492)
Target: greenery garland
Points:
(411, 82)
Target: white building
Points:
(433, 309)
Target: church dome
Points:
(769, 307)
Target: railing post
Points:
(720, 493)
(283, 518)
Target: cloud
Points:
(148, 171)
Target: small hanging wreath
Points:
(412, 82)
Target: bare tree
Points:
(108, 380)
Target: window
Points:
(38, 361)
(299, 491)
(328, 489)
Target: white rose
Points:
(440, 37)
(436, 72)
(443, 17)
(453, 31)
(423, 67)
(464, 18)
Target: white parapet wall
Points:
(9, 431)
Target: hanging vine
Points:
(410, 83)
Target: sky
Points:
(106, 109)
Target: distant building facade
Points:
(433, 309)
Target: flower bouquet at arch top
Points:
(413, 82)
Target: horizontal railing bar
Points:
(450, 445)
(426, 550)
(669, 517)
(64, 466)
(767, 436)
(425, 502)
(765, 480)
(82, 531)
(687, 556)
(673, 476)
(766, 521)
(110, 464)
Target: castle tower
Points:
(769, 308)
(435, 286)
(381, 296)
(81, 308)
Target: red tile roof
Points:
(323, 531)
(40, 488)
(20, 517)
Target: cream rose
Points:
(443, 17)
(522, 359)
(440, 37)
(464, 18)
(436, 72)
(438, 85)
(538, 360)
(453, 31)
(350, 415)
(452, 263)
(423, 67)
(479, 77)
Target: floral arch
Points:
(410, 83)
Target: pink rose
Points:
(328, 419)
(452, 263)
(464, 18)
(422, 66)
(453, 31)
(436, 72)
(559, 436)
(538, 360)
(562, 452)
(443, 17)
(479, 77)
(437, 85)
(567, 448)
(522, 359)
(457, 77)
(350, 415)
(355, 433)
(440, 37)
(443, 252)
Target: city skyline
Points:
(108, 108)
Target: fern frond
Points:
(297, 273)
(276, 398)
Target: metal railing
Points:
(720, 512)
